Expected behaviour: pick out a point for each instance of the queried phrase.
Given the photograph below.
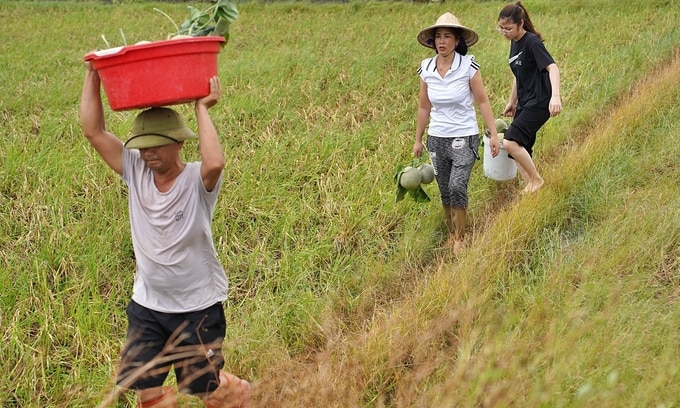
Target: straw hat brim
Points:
(426, 36)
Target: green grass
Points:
(340, 296)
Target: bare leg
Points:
(523, 174)
(232, 392)
(533, 180)
(456, 219)
(157, 397)
(448, 218)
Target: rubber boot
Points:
(232, 392)
(167, 400)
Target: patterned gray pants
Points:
(452, 159)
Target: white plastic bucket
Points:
(501, 167)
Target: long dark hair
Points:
(517, 13)
(461, 47)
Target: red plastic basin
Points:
(159, 73)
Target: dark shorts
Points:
(524, 127)
(191, 342)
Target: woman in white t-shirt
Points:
(450, 85)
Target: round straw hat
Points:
(158, 127)
(426, 36)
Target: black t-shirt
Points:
(528, 60)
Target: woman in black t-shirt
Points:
(535, 93)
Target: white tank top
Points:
(177, 269)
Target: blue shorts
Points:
(156, 341)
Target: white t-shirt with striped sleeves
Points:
(453, 112)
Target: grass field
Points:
(339, 296)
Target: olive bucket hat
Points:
(158, 127)
(426, 36)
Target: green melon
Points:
(410, 178)
(426, 173)
(501, 126)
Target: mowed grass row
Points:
(319, 109)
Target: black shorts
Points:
(191, 342)
(524, 127)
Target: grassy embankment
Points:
(340, 297)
